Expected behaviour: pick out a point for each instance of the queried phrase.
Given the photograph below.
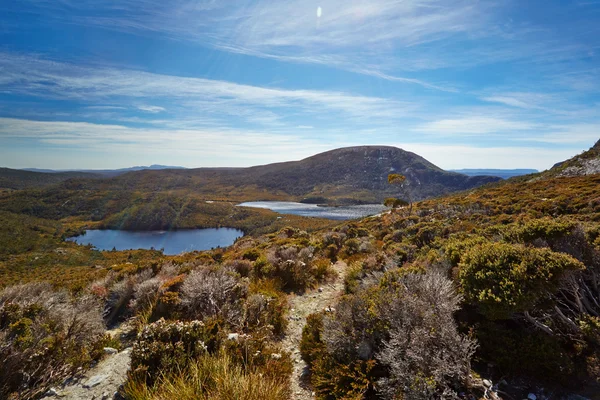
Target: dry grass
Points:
(214, 377)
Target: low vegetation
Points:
(45, 336)
(499, 283)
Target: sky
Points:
(213, 83)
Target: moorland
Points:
(472, 287)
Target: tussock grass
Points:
(214, 377)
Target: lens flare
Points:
(319, 12)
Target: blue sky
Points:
(465, 84)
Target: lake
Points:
(313, 210)
(173, 242)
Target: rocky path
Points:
(300, 307)
(100, 382)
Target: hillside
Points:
(586, 163)
(17, 179)
(355, 174)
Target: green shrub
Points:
(163, 347)
(311, 344)
(337, 380)
(523, 352)
(504, 278)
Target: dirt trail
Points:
(100, 382)
(300, 307)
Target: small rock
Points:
(51, 392)
(94, 381)
(233, 336)
(487, 383)
(110, 350)
(105, 396)
(320, 290)
(276, 356)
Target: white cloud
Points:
(205, 147)
(42, 78)
(474, 126)
(151, 109)
(349, 33)
(502, 157)
(235, 147)
(379, 38)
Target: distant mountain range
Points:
(105, 172)
(501, 173)
(353, 174)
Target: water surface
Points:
(313, 210)
(172, 242)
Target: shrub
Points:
(523, 352)
(293, 266)
(45, 335)
(163, 347)
(145, 294)
(266, 310)
(117, 300)
(311, 344)
(251, 255)
(396, 338)
(336, 239)
(351, 246)
(503, 278)
(210, 293)
(426, 356)
(322, 269)
(242, 267)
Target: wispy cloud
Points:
(510, 129)
(347, 34)
(522, 100)
(378, 38)
(42, 78)
(151, 109)
(471, 156)
(475, 126)
(235, 147)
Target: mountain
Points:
(501, 173)
(353, 174)
(586, 163)
(21, 179)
